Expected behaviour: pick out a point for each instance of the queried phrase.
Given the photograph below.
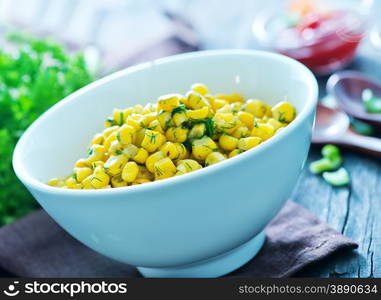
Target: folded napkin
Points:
(35, 246)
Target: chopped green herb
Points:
(118, 136)
(158, 171)
(111, 121)
(90, 152)
(282, 117)
(121, 118)
(75, 176)
(179, 109)
(119, 152)
(372, 104)
(337, 178)
(188, 145)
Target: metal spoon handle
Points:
(366, 144)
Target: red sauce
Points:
(323, 42)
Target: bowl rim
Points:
(308, 108)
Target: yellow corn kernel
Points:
(201, 148)
(248, 143)
(130, 171)
(241, 132)
(99, 179)
(235, 106)
(200, 88)
(173, 151)
(180, 117)
(109, 122)
(197, 114)
(97, 139)
(135, 120)
(155, 125)
(138, 109)
(227, 142)
(139, 136)
(97, 163)
(128, 111)
(188, 165)
(168, 102)
(95, 153)
(118, 116)
(182, 150)
(213, 158)
(177, 134)
(225, 122)
(226, 109)
(276, 124)
(112, 137)
(116, 148)
(284, 112)
(117, 181)
(264, 131)
(81, 173)
(148, 118)
(126, 134)
(152, 140)
(219, 103)
(165, 119)
(235, 97)
(141, 156)
(56, 182)
(144, 173)
(246, 118)
(114, 165)
(197, 131)
(256, 107)
(150, 162)
(130, 151)
(235, 152)
(164, 168)
(140, 181)
(149, 108)
(196, 101)
(81, 163)
(108, 131)
(71, 183)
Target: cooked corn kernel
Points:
(248, 143)
(201, 148)
(130, 171)
(114, 165)
(188, 165)
(152, 140)
(284, 112)
(164, 168)
(213, 158)
(200, 88)
(169, 102)
(174, 136)
(227, 142)
(263, 131)
(141, 156)
(152, 159)
(177, 134)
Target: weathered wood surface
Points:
(354, 210)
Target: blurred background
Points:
(94, 38)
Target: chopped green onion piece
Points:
(330, 151)
(371, 103)
(325, 164)
(362, 127)
(373, 106)
(337, 178)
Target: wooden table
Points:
(354, 211)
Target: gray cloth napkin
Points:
(36, 246)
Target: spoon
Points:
(333, 127)
(347, 88)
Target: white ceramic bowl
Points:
(202, 224)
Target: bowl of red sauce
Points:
(323, 35)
